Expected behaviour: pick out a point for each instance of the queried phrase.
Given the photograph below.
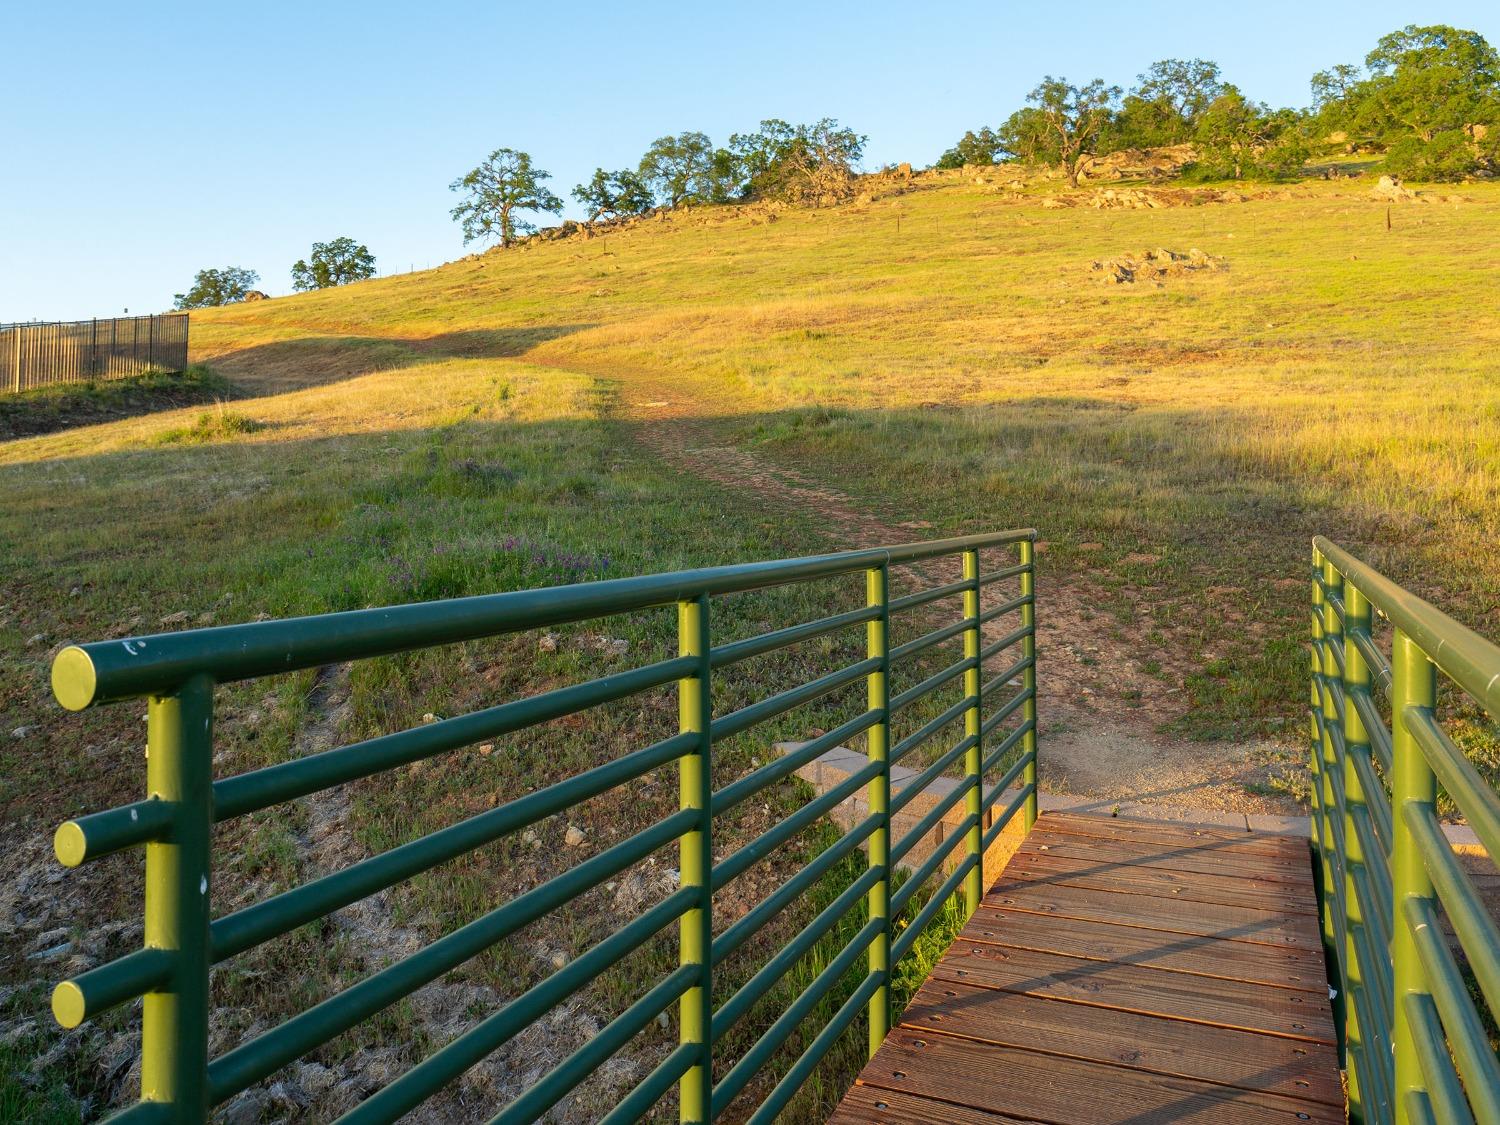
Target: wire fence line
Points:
(83, 351)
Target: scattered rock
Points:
(181, 617)
(246, 1109)
(22, 732)
(611, 646)
(548, 642)
(1389, 189)
(486, 748)
(35, 639)
(1153, 265)
(255, 295)
(574, 836)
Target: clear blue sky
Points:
(144, 141)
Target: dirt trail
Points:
(1099, 710)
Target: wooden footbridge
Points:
(1112, 970)
(1123, 970)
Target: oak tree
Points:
(505, 184)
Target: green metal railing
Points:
(178, 673)
(1413, 1039)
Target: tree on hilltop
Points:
(982, 147)
(1062, 125)
(217, 287)
(1335, 97)
(1240, 139)
(798, 163)
(504, 184)
(1166, 105)
(688, 168)
(333, 263)
(1430, 96)
(613, 194)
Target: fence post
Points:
(1356, 742)
(1413, 686)
(94, 348)
(174, 1022)
(974, 758)
(695, 859)
(16, 358)
(1028, 680)
(877, 688)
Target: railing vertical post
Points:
(974, 758)
(1356, 742)
(695, 856)
(1028, 679)
(878, 687)
(1335, 812)
(1322, 835)
(1413, 685)
(174, 1021)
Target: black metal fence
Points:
(82, 351)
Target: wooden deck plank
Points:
(1160, 881)
(870, 1105)
(1197, 857)
(1127, 972)
(1069, 1091)
(1123, 828)
(1210, 1054)
(1296, 931)
(1270, 965)
(1133, 988)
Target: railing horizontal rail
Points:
(1018, 802)
(926, 731)
(722, 656)
(753, 990)
(746, 787)
(1405, 1017)
(926, 597)
(178, 674)
(902, 945)
(263, 1055)
(919, 784)
(905, 699)
(904, 894)
(84, 675)
(928, 640)
(237, 932)
(440, 1068)
(756, 713)
(732, 1083)
(1468, 659)
(286, 781)
(774, 903)
(738, 862)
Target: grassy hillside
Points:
(716, 386)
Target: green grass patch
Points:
(47, 409)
